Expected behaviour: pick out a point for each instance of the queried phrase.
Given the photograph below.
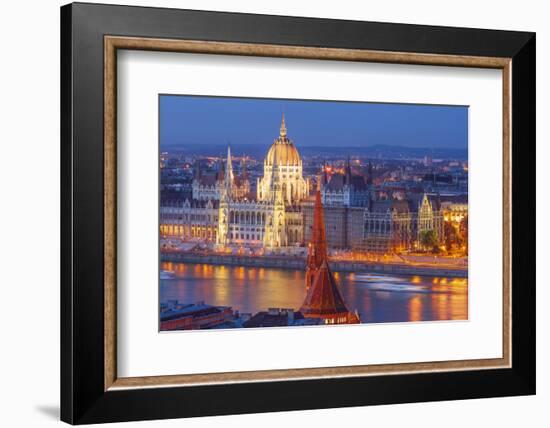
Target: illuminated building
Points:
(455, 208)
(222, 210)
(426, 215)
(189, 219)
(279, 215)
(344, 225)
(207, 187)
(274, 219)
(323, 299)
(388, 226)
(397, 225)
(345, 189)
(283, 172)
(345, 197)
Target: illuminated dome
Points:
(283, 151)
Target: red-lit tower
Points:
(317, 247)
(323, 299)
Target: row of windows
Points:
(245, 229)
(246, 217)
(245, 236)
(190, 217)
(198, 232)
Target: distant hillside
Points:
(376, 151)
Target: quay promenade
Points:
(298, 263)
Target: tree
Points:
(450, 235)
(428, 239)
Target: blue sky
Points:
(253, 121)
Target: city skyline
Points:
(369, 239)
(250, 121)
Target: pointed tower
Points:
(225, 182)
(347, 172)
(317, 247)
(323, 299)
(348, 184)
(197, 172)
(229, 169)
(275, 230)
(324, 175)
(369, 176)
(282, 131)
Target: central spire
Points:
(282, 133)
(228, 168)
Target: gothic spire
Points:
(369, 176)
(228, 168)
(282, 132)
(324, 176)
(317, 247)
(197, 169)
(318, 237)
(347, 172)
(323, 298)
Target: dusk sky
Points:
(220, 120)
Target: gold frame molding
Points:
(113, 43)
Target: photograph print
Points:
(300, 213)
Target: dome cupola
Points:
(283, 152)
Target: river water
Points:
(377, 298)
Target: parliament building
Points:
(223, 211)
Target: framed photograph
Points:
(266, 213)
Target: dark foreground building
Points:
(176, 316)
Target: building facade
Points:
(189, 219)
(279, 214)
(223, 210)
(398, 225)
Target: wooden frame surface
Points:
(114, 43)
(91, 391)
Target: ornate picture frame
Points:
(91, 389)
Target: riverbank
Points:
(297, 263)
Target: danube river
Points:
(377, 298)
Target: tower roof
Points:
(324, 297)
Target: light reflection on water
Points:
(378, 298)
